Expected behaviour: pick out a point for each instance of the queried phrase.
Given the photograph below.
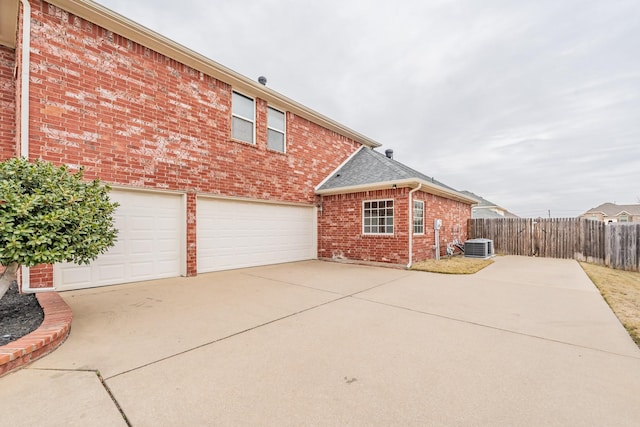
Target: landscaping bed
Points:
(20, 314)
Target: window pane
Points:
(276, 140)
(243, 106)
(275, 119)
(377, 217)
(242, 130)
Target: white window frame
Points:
(419, 226)
(282, 131)
(246, 119)
(377, 208)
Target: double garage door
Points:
(230, 234)
(237, 234)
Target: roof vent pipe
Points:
(389, 153)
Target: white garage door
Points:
(149, 246)
(237, 234)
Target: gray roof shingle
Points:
(368, 166)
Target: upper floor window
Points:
(623, 218)
(418, 217)
(276, 130)
(377, 217)
(243, 118)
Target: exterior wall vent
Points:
(478, 248)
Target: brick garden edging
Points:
(50, 334)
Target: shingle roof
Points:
(611, 209)
(484, 213)
(482, 202)
(368, 166)
(483, 208)
(369, 169)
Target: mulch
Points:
(20, 314)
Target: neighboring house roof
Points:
(486, 209)
(368, 169)
(482, 202)
(611, 209)
(485, 213)
(131, 30)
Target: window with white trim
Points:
(275, 130)
(418, 217)
(623, 218)
(243, 112)
(377, 217)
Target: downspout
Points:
(24, 89)
(24, 115)
(411, 223)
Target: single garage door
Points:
(149, 246)
(237, 234)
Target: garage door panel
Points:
(149, 243)
(111, 272)
(233, 234)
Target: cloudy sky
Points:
(532, 105)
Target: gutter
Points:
(410, 216)
(427, 186)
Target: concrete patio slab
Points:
(119, 328)
(354, 362)
(31, 397)
(565, 306)
(524, 342)
(343, 279)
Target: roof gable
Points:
(368, 166)
(611, 209)
(368, 169)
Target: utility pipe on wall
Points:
(24, 115)
(411, 223)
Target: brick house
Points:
(212, 170)
(611, 212)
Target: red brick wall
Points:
(340, 227)
(134, 117)
(7, 103)
(454, 216)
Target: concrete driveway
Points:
(525, 342)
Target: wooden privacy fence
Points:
(614, 245)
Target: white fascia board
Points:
(427, 187)
(338, 168)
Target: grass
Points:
(452, 265)
(621, 290)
